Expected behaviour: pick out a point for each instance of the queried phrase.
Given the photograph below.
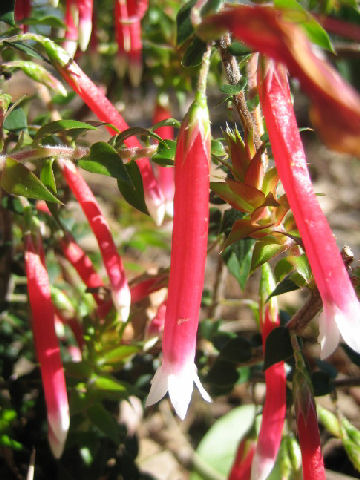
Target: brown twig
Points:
(233, 75)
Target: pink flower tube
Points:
(111, 258)
(165, 174)
(47, 346)
(177, 373)
(122, 34)
(106, 112)
(341, 310)
(22, 10)
(241, 468)
(85, 8)
(274, 409)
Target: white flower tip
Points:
(261, 467)
(85, 27)
(169, 208)
(58, 426)
(70, 47)
(122, 300)
(156, 209)
(179, 384)
(334, 322)
(54, 3)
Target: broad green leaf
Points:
(194, 53)
(184, 28)
(277, 347)
(7, 8)
(27, 49)
(238, 48)
(79, 370)
(15, 120)
(47, 175)
(133, 132)
(133, 191)
(63, 126)
(107, 383)
(18, 180)
(296, 13)
(299, 264)
(218, 446)
(104, 422)
(353, 452)
(105, 160)
(49, 20)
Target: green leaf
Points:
(165, 153)
(79, 370)
(28, 49)
(353, 452)
(47, 175)
(64, 126)
(184, 28)
(237, 48)
(277, 347)
(194, 53)
(15, 120)
(238, 259)
(286, 285)
(264, 251)
(133, 191)
(132, 132)
(104, 422)
(108, 383)
(49, 20)
(18, 180)
(234, 89)
(168, 122)
(217, 147)
(315, 32)
(105, 160)
(218, 447)
(119, 354)
(7, 8)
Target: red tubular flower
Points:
(307, 424)
(187, 265)
(335, 110)
(106, 112)
(241, 469)
(142, 288)
(341, 307)
(22, 10)
(47, 346)
(156, 324)
(100, 227)
(274, 410)
(85, 8)
(135, 52)
(122, 34)
(82, 264)
(165, 174)
(71, 33)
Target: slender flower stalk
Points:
(274, 409)
(71, 33)
(106, 112)
(85, 8)
(335, 109)
(341, 309)
(306, 420)
(147, 285)
(177, 373)
(165, 174)
(111, 258)
(47, 346)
